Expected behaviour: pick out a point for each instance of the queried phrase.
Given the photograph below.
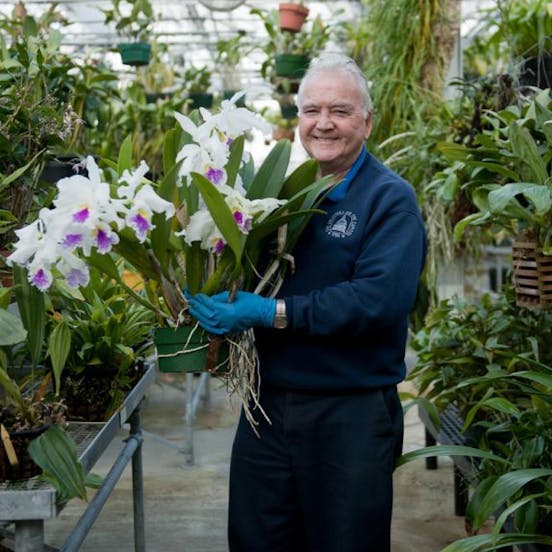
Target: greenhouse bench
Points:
(449, 433)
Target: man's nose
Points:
(324, 120)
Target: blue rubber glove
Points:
(218, 316)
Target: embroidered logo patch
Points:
(341, 224)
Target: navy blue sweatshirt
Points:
(356, 274)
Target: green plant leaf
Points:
(270, 177)
(11, 329)
(488, 542)
(448, 450)
(56, 454)
(32, 309)
(503, 489)
(222, 215)
(59, 345)
(124, 160)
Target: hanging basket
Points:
(532, 272)
(135, 53)
(292, 16)
(186, 349)
(291, 65)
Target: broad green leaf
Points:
(540, 196)
(222, 215)
(56, 453)
(32, 309)
(525, 148)
(234, 161)
(270, 176)
(302, 176)
(488, 542)
(12, 330)
(124, 160)
(503, 489)
(496, 168)
(59, 345)
(543, 379)
(448, 450)
(11, 390)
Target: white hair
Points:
(338, 62)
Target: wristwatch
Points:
(280, 318)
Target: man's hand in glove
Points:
(218, 316)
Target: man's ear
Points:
(368, 125)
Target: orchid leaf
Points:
(32, 309)
(12, 330)
(124, 160)
(222, 215)
(234, 161)
(270, 176)
(195, 267)
(59, 345)
(304, 174)
(489, 542)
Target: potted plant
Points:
(288, 54)
(493, 363)
(109, 339)
(133, 21)
(37, 115)
(292, 15)
(27, 407)
(205, 226)
(197, 82)
(510, 187)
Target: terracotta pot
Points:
(292, 16)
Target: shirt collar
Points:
(339, 191)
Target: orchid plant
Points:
(206, 225)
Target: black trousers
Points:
(319, 477)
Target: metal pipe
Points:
(83, 526)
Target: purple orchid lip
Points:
(214, 175)
(41, 280)
(72, 240)
(219, 246)
(141, 224)
(76, 277)
(103, 241)
(82, 215)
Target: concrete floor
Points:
(185, 506)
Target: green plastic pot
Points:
(135, 53)
(185, 349)
(201, 100)
(291, 65)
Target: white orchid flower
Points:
(202, 228)
(74, 270)
(133, 180)
(145, 203)
(234, 121)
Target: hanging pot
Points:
(291, 65)
(135, 53)
(186, 349)
(532, 273)
(292, 16)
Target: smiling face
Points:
(332, 123)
